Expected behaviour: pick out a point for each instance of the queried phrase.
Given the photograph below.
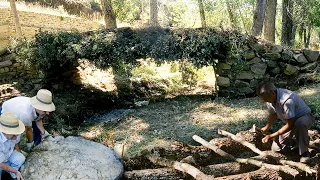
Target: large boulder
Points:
(72, 158)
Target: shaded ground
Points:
(161, 123)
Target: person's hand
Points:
(266, 139)
(45, 135)
(19, 176)
(24, 153)
(264, 130)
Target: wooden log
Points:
(184, 167)
(223, 169)
(160, 173)
(229, 168)
(284, 169)
(241, 141)
(261, 174)
(298, 165)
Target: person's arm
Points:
(8, 168)
(271, 119)
(17, 147)
(287, 127)
(39, 124)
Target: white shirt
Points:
(7, 147)
(22, 107)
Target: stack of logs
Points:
(211, 160)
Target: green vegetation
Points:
(57, 53)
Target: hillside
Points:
(33, 18)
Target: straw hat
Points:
(10, 124)
(43, 101)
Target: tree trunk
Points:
(109, 14)
(287, 23)
(258, 17)
(270, 21)
(232, 16)
(16, 18)
(202, 15)
(154, 12)
(307, 45)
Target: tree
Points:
(16, 18)
(270, 21)
(109, 14)
(232, 14)
(287, 23)
(202, 15)
(154, 13)
(258, 17)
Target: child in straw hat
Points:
(11, 157)
(31, 112)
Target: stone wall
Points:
(283, 66)
(235, 77)
(13, 71)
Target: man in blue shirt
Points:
(11, 157)
(295, 115)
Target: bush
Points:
(54, 53)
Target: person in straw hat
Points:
(11, 157)
(31, 112)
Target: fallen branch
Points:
(184, 167)
(285, 169)
(298, 165)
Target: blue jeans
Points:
(36, 134)
(15, 161)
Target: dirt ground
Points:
(166, 127)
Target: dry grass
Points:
(22, 6)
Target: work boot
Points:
(305, 157)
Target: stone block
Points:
(4, 51)
(223, 81)
(241, 84)
(245, 75)
(300, 58)
(254, 60)
(249, 55)
(272, 56)
(6, 69)
(309, 67)
(259, 68)
(5, 63)
(311, 56)
(277, 49)
(223, 66)
(291, 70)
(286, 55)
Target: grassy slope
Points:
(178, 119)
